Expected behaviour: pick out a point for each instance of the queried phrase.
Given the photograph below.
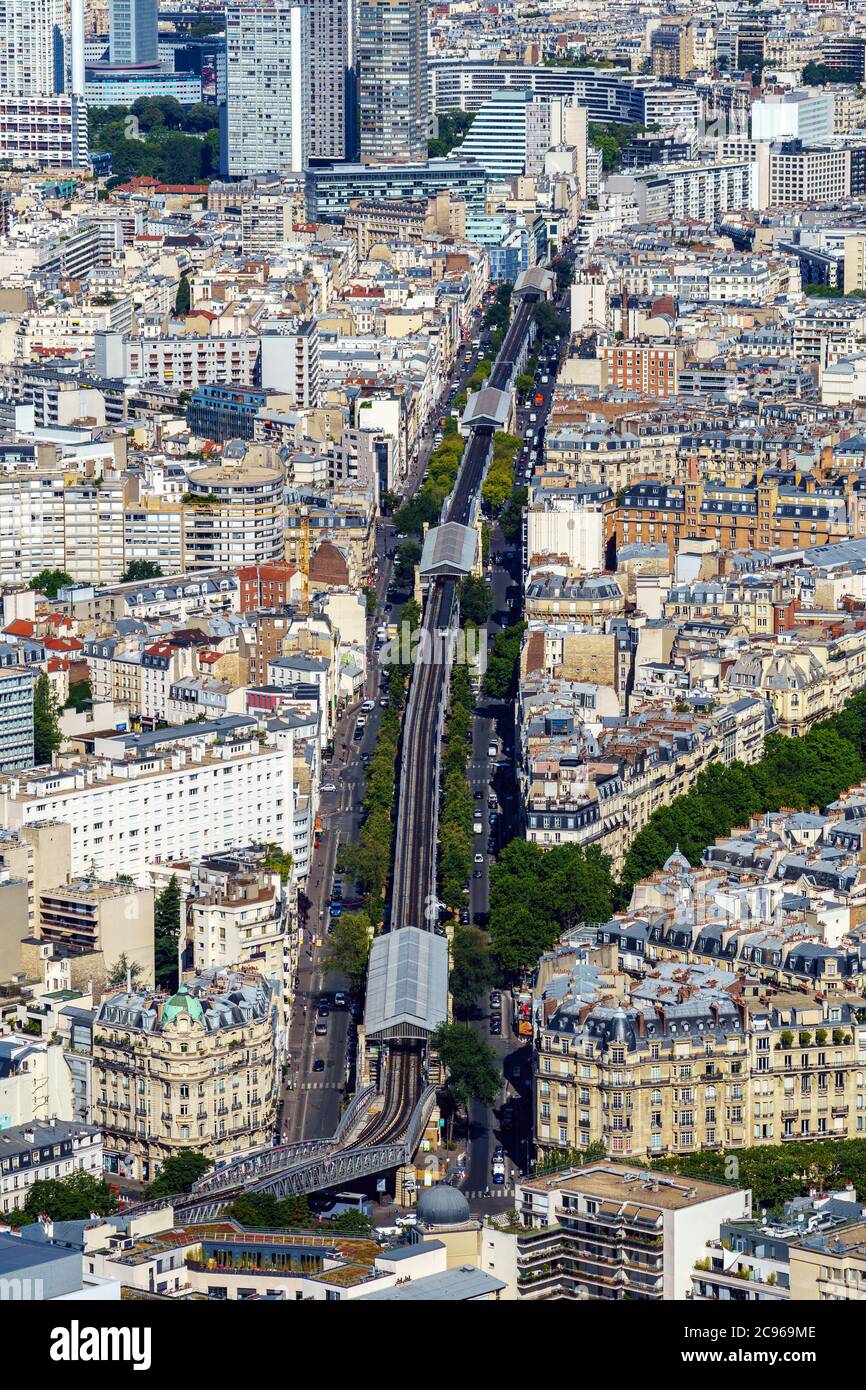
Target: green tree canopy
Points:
(50, 582)
(472, 969)
(536, 894)
(178, 1173)
(183, 298)
(139, 570)
(348, 946)
(46, 728)
(72, 1198)
(166, 930)
(473, 1071)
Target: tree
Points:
(407, 557)
(49, 582)
(183, 298)
(166, 931)
(46, 729)
(178, 1173)
(348, 946)
(266, 1211)
(278, 861)
(472, 970)
(475, 602)
(139, 570)
(549, 323)
(72, 1198)
(500, 678)
(536, 894)
(511, 516)
(80, 695)
(352, 1223)
(123, 966)
(473, 1072)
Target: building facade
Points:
(194, 1073)
(266, 122)
(393, 100)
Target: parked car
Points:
(336, 910)
(321, 1029)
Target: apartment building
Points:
(829, 1266)
(757, 516)
(246, 917)
(39, 1152)
(649, 369)
(607, 1231)
(17, 685)
(183, 363)
(174, 793)
(688, 1058)
(196, 1072)
(102, 922)
(237, 513)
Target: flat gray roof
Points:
(407, 984)
(452, 1285)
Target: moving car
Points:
(339, 999)
(369, 704)
(492, 750)
(479, 859)
(328, 787)
(319, 1064)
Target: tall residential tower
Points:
(393, 99)
(266, 120)
(333, 93)
(133, 32)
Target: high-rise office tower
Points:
(31, 47)
(266, 119)
(133, 32)
(333, 95)
(393, 100)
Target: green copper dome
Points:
(182, 1003)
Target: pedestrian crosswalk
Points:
(319, 1086)
(503, 1190)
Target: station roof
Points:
(488, 406)
(536, 280)
(407, 984)
(449, 549)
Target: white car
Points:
(404, 1221)
(368, 705)
(328, 787)
(479, 859)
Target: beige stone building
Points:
(692, 1058)
(100, 924)
(830, 1266)
(196, 1072)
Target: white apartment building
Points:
(32, 527)
(45, 132)
(788, 176)
(246, 920)
(93, 531)
(36, 1152)
(172, 794)
(267, 89)
(180, 362)
(290, 360)
(806, 115)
